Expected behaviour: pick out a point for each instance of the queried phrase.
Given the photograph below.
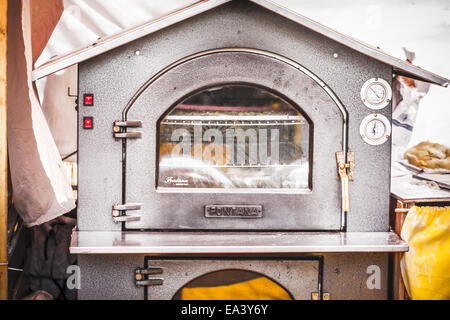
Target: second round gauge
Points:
(375, 129)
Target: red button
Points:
(89, 99)
(88, 123)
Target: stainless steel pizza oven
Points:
(234, 140)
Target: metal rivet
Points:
(138, 53)
(335, 55)
(139, 277)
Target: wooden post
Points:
(399, 286)
(3, 152)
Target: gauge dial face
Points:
(375, 129)
(376, 93)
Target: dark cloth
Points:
(49, 258)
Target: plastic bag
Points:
(256, 289)
(407, 94)
(426, 267)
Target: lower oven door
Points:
(221, 279)
(235, 139)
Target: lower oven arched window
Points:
(234, 137)
(233, 284)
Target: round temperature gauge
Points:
(376, 93)
(375, 129)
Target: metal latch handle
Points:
(127, 206)
(346, 174)
(345, 194)
(128, 123)
(118, 129)
(119, 217)
(149, 270)
(142, 281)
(128, 135)
(150, 282)
(126, 218)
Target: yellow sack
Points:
(426, 267)
(256, 289)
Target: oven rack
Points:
(223, 120)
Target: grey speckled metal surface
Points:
(115, 76)
(156, 243)
(109, 277)
(345, 275)
(281, 211)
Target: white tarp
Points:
(41, 188)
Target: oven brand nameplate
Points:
(234, 211)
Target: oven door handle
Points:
(346, 174)
(345, 194)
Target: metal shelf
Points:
(157, 243)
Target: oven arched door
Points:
(235, 139)
(236, 279)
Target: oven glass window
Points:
(234, 137)
(233, 285)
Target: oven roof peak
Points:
(400, 67)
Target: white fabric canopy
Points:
(41, 188)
